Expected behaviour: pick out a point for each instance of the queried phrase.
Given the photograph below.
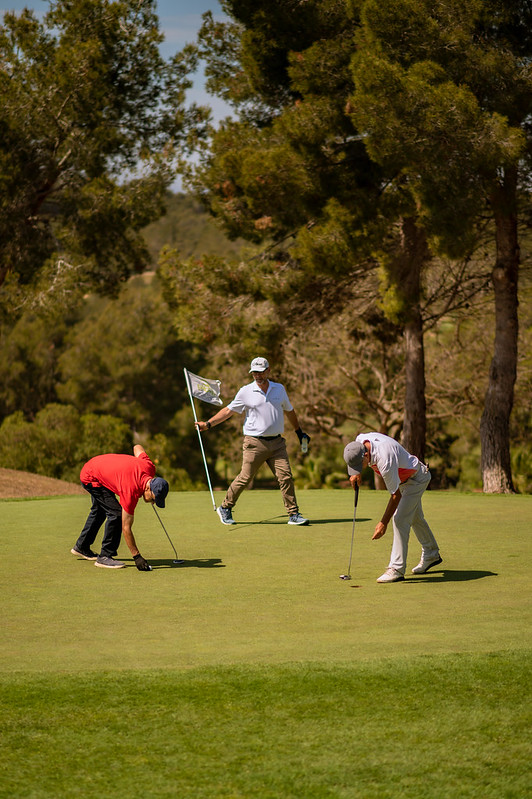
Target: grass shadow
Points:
(283, 520)
(450, 576)
(280, 519)
(168, 563)
(342, 521)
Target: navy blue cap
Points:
(160, 489)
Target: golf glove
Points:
(303, 440)
(141, 564)
(301, 435)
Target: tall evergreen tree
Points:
(444, 93)
(294, 165)
(86, 101)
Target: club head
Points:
(345, 577)
(178, 562)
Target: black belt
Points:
(268, 438)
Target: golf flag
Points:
(208, 391)
(203, 389)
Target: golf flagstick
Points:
(347, 576)
(199, 436)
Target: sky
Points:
(179, 21)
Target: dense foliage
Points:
(343, 375)
(362, 167)
(389, 134)
(89, 120)
(444, 94)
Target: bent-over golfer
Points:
(264, 403)
(406, 479)
(129, 477)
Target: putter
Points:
(177, 560)
(347, 576)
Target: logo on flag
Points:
(203, 389)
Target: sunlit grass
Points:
(252, 670)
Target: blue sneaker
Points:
(108, 563)
(297, 518)
(226, 517)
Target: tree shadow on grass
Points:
(450, 576)
(283, 520)
(168, 563)
(342, 521)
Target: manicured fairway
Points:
(261, 591)
(446, 727)
(252, 669)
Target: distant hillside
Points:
(18, 485)
(187, 228)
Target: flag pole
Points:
(199, 436)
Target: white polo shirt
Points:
(264, 411)
(389, 459)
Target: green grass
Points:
(435, 727)
(252, 670)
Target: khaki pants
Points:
(256, 452)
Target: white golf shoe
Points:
(390, 576)
(424, 565)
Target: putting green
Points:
(261, 592)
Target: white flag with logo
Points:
(203, 389)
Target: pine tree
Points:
(86, 101)
(294, 167)
(444, 93)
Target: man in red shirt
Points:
(129, 477)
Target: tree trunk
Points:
(415, 420)
(498, 402)
(415, 254)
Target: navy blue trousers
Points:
(105, 508)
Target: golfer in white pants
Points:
(406, 479)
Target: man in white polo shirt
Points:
(406, 479)
(265, 403)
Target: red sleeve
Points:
(147, 464)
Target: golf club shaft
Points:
(353, 531)
(164, 528)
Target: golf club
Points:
(347, 576)
(177, 560)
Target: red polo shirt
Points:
(124, 475)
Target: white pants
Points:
(409, 514)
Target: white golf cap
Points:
(259, 365)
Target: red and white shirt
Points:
(389, 459)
